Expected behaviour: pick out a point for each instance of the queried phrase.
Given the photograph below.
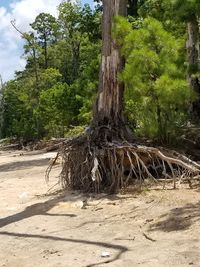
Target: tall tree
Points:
(109, 106)
(104, 151)
(47, 30)
(70, 23)
(97, 168)
(30, 50)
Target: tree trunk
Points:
(194, 60)
(35, 67)
(109, 105)
(45, 52)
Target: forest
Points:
(54, 95)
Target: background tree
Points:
(181, 18)
(69, 20)
(46, 28)
(30, 51)
(189, 11)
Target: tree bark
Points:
(194, 63)
(35, 67)
(45, 52)
(109, 105)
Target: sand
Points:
(37, 229)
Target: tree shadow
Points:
(40, 208)
(178, 219)
(198, 189)
(109, 219)
(21, 165)
(119, 248)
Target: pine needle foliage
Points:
(157, 93)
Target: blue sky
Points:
(87, 1)
(5, 3)
(11, 45)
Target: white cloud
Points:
(24, 13)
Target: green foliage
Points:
(54, 94)
(18, 116)
(166, 12)
(76, 130)
(46, 28)
(57, 106)
(49, 77)
(186, 9)
(157, 94)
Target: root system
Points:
(110, 166)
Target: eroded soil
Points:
(151, 229)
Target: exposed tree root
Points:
(111, 166)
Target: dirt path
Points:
(155, 228)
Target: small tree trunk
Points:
(45, 52)
(109, 105)
(194, 60)
(35, 67)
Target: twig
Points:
(149, 238)
(124, 239)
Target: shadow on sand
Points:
(120, 249)
(178, 219)
(21, 165)
(42, 209)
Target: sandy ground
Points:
(151, 229)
